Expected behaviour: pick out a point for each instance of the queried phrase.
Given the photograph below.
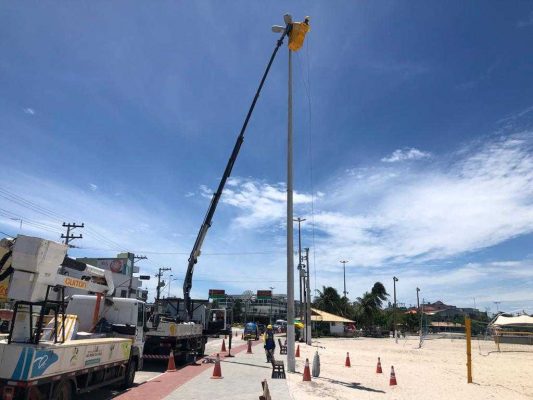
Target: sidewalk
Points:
(242, 376)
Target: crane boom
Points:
(196, 250)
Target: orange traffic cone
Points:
(297, 351)
(307, 372)
(249, 351)
(225, 336)
(378, 368)
(223, 348)
(242, 336)
(217, 372)
(171, 364)
(347, 362)
(392, 381)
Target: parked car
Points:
(251, 331)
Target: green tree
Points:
(237, 310)
(368, 307)
(328, 300)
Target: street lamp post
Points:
(271, 299)
(298, 41)
(344, 271)
(300, 264)
(169, 282)
(394, 279)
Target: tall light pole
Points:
(394, 279)
(307, 300)
(344, 269)
(271, 299)
(295, 44)
(300, 264)
(291, 362)
(169, 282)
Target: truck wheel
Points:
(130, 374)
(63, 391)
(201, 348)
(35, 394)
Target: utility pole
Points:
(418, 311)
(291, 361)
(394, 279)
(158, 276)
(131, 272)
(307, 299)
(344, 269)
(417, 300)
(68, 237)
(300, 264)
(271, 299)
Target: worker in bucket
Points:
(270, 344)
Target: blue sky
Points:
(415, 118)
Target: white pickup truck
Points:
(53, 351)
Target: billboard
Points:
(264, 294)
(116, 265)
(217, 293)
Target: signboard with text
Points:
(264, 294)
(217, 293)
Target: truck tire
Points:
(201, 348)
(130, 374)
(62, 391)
(34, 393)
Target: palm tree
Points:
(328, 300)
(369, 305)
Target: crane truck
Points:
(55, 351)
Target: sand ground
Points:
(436, 371)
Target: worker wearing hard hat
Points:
(270, 344)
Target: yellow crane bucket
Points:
(297, 34)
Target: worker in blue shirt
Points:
(270, 344)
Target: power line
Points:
(21, 201)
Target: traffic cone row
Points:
(347, 363)
(217, 371)
(307, 372)
(297, 351)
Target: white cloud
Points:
(29, 111)
(473, 199)
(260, 204)
(406, 154)
(479, 199)
(189, 194)
(93, 187)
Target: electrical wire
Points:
(21, 201)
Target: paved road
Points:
(150, 370)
